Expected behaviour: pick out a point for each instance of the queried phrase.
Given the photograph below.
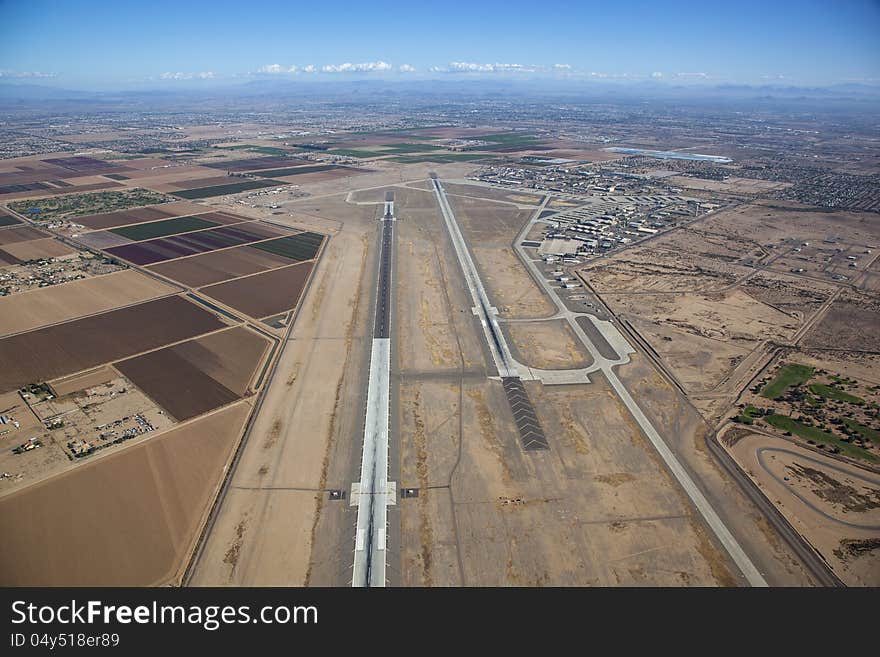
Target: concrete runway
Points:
(373, 493)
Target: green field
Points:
(830, 392)
(510, 140)
(140, 232)
(6, 220)
(115, 176)
(265, 150)
(441, 158)
(788, 376)
(232, 188)
(293, 171)
(866, 432)
(818, 436)
(386, 149)
(296, 247)
(77, 205)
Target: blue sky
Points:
(136, 42)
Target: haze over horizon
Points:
(95, 44)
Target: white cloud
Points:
(657, 75)
(310, 69)
(693, 76)
(7, 73)
(364, 67)
(203, 75)
(474, 67)
(406, 68)
(562, 67)
(276, 69)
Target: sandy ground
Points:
(548, 345)
(264, 530)
(836, 506)
(126, 519)
(58, 303)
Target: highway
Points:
(373, 492)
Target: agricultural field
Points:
(138, 215)
(59, 303)
(197, 376)
(217, 266)
(80, 344)
(265, 294)
(167, 248)
(304, 246)
(254, 164)
(75, 205)
(8, 220)
(295, 171)
(163, 228)
(128, 519)
(223, 190)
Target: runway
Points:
(374, 492)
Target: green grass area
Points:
(510, 139)
(140, 232)
(789, 375)
(115, 176)
(748, 415)
(232, 188)
(296, 247)
(7, 220)
(818, 436)
(293, 171)
(386, 149)
(402, 149)
(77, 205)
(354, 153)
(865, 432)
(441, 158)
(830, 392)
(265, 150)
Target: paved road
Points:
(373, 492)
(703, 506)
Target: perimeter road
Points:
(373, 493)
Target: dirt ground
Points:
(264, 532)
(594, 510)
(58, 303)
(701, 337)
(127, 519)
(851, 322)
(548, 345)
(836, 506)
(38, 249)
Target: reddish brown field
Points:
(174, 383)
(60, 303)
(63, 349)
(200, 375)
(128, 519)
(36, 249)
(219, 266)
(230, 357)
(123, 217)
(20, 234)
(262, 295)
